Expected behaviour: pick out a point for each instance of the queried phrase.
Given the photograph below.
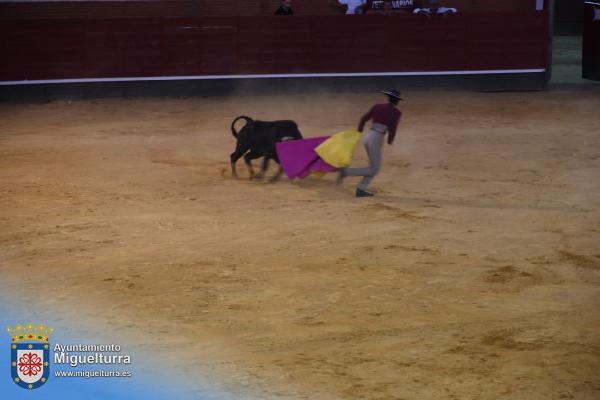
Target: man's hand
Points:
(341, 6)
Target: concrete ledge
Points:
(227, 87)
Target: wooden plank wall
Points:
(212, 8)
(168, 46)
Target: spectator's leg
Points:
(422, 10)
(446, 10)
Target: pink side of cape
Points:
(298, 157)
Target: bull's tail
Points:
(233, 131)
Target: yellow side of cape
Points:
(339, 148)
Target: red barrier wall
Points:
(145, 47)
(215, 8)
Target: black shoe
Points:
(363, 193)
(341, 176)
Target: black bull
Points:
(257, 139)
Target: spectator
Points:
(285, 8)
(353, 6)
(387, 7)
(433, 7)
(394, 6)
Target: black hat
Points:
(393, 93)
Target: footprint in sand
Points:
(505, 339)
(381, 208)
(166, 156)
(505, 274)
(582, 261)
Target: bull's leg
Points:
(265, 165)
(248, 157)
(239, 152)
(278, 175)
(269, 154)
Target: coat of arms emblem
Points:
(30, 355)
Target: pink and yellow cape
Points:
(319, 155)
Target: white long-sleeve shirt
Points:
(352, 5)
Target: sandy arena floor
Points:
(473, 274)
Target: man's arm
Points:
(392, 130)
